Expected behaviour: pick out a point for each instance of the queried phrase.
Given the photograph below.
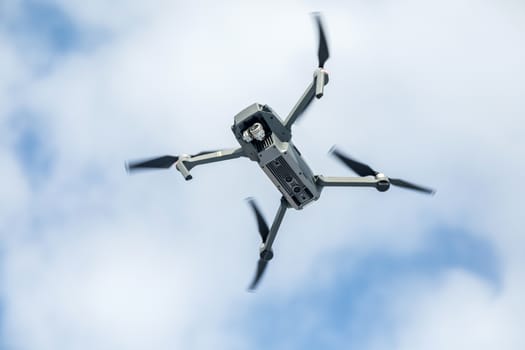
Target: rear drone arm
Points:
(315, 89)
(186, 163)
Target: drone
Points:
(267, 140)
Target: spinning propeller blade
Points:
(322, 53)
(155, 163)
(411, 186)
(364, 170)
(359, 168)
(203, 152)
(265, 255)
(261, 267)
(261, 223)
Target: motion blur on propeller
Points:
(265, 138)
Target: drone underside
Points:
(266, 139)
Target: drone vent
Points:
(264, 144)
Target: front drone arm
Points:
(315, 89)
(186, 163)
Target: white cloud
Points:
(426, 91)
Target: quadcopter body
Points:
(267, 139)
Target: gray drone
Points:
(266, 139)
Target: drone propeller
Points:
(261, 223)
(411, 186)
(202, 153)
(163, 162)
(322, 52)
(266, 255)
(359, 168)
(261, 267)
(362, 169)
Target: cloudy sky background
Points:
(91, 258)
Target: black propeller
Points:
(261, 267)
(266, 255)
(358, 167)
(261, 223)
(202, 153)
(411, 186)
(362, 169)
(163, 162)
(322, 53)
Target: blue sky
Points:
(46, 23)
(92, 258)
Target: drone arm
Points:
(212, 157)
(185, 164)
(315, 89)
(276, 224)
(380, 184)
(301, 105)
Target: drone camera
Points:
(247, 136)
(257, 131)
(254, 132)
